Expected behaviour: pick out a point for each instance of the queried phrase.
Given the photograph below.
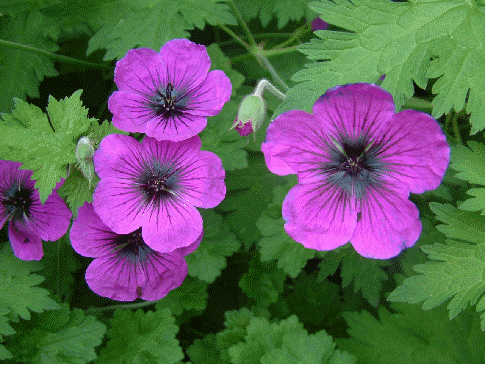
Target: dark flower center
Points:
(17, 201)
(158, 182)
(168, 102)
(354, 165)
(132, 246)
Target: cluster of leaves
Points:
(409, 42)
(302, 301)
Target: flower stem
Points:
(235, 36)
(259, 55)
(417, 103)
(299, 32)
(52, 55)
(243, 24)
(121, 306)
(265, 84)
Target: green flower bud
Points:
(84, 154)
(251, 114)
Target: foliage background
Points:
(252, 294)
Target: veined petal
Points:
(415, 150)
(176, 127)
(209, 97)
(389, 223)
(354, 110)
(26, 244)
(171, 225)
(186, 63)
(319, 217)
(135, 71)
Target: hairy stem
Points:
(259, 55)
(235, 36)
(121, 306)
(299, 32)
(243, 24)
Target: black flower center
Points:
(158, 182)
(167, 102)
(354, 165)
(132, 246)
(17, 201)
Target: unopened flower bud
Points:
(251, 113)
(84, 154)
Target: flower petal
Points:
(171, 225)
(137, 70)
(119, 205)
(354, 110)
(294, 140)
(52, 219)
(89, 235)
(415, 150)
(117, 152)
(26, 245)
(202, 181)
(130, 112)
(318, 216)
(389, 223)
(184, 251)
(175, 128)
(186, 63)
(209, 97)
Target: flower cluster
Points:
(357, 162)
(143, 219)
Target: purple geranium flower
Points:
(156, 185)
(30, 221)
(357, 162)
(125, 268)
(168, 94)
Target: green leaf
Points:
(191, 295)
(284, 10)
(277, 244)
(249, 185)
(21, 71)
(60, 263)
(76, 190)
(457, 271)
(414, 336)
(61, 336)
(220, 62)
(263, 282)
(460, 67)
(467, 226)
(204, 351)
(5, 330)
(138, 337)
(13, 7)
(46, 143)
(18, 290)
(228, 145)
(469, 162)
(218, 243)
(285, 341)
(151, 24)
(302, 348)
(367, 274)
(393, 38)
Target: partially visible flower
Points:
(30, 221)
(319, 24)
(357, 163)
(84, 154)
(124, 267)
(168, 94)
(250, 116)
(156, 185)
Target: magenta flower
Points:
(30, 221)
(168, 94)
(357, 163)
(156, 185)
(124, 267)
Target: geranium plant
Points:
(140, 223)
